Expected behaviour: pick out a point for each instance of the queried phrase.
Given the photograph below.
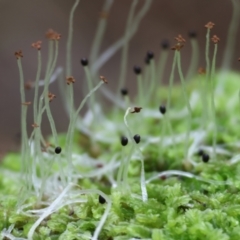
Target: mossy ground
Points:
(177, 207)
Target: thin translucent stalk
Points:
(140, 88)
(207, 80)
(184, 88)
(207, 53)
(25, 153)
(107, 54)
(212, 100)
(35, 114)
(166, 123)
(170, 129)
(88, 96)
(153, 84)
(69, 141)
(183, 82)
(48, 110)
(49, 64)
(188, 175)
(50, 209)
(24, 136)
(231, 36)
(64, 95)
(69, 40)
(126, 167)
(69, 55)
(38, 134)
(161, 66)
(39, 159)
(90, 86)
(146, 76)
(162, 133)
(121, 168)
(127, 101)
(124, 55)
(135, 147)
(101, 28)
(50, 56)
(38, 155)
(38, 111)
(48, 168)
(23, 100)
(171, 80)
(105, 214)
(71, 127)
(35, 104)
(239, 96)
(38, 152)
(204, 100)
(194, 59)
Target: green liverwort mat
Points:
(164, 164)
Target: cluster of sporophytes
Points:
(161, 165)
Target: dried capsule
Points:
(124, 140)
(136, 109)
(165, 44)
(58, 150)
(162, 109)
(84, 62)
(124, 91)
(205, 157)
(137, 138)
(101, 199)
(137, 69)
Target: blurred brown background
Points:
(23, 22)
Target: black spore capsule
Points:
(150, 55)
(192, 34)
(137, 69)
(101, 199)
(124, 91)
(124, 140)
(162, 109)
(137, 138)
(84, 62)
(200, 152)
(58, 150)
(205, 157)
(165, 44)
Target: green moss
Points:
(204, 206)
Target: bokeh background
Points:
(23, 22)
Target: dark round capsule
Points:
(200, 152)
(165, 44)
(205, 157)
(124, 91)
(150, 55)
(84, 62)
(124, 140)
(192, 34)
(137, 69)
(101, 199)
(137, 138)
(58, 150)
(162, 109)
